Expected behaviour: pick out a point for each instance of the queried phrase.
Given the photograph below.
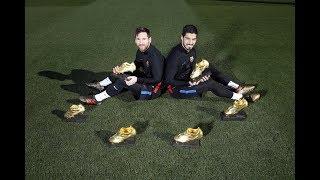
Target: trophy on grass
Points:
(75, 112)
(189, 138)
(124, 136)
(235, 111)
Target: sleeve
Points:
(156, 69)
(172, 66)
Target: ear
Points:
(181, 38)
(150, 39)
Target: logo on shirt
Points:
(147, 63)
(191, 59)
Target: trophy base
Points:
(128, 142)
(189, 144)
(240, 116)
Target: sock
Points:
(236, 96)
(233, 85)
(101, 96)
(105, 82)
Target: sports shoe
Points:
(90, 100)
(189, 135)
(245, 89)
(123, 134)
(237, 106)
(125, 67)
(200, 67)
(74, 110)
(95, 85)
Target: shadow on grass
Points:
(141, 126)
(164, 136)
(205, 127)
(80, 77)
(77, 119)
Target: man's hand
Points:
(203, 79)
(130, 80)
(115, 70)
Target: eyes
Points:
(193, 39)
(141, 39)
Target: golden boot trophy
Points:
(125, 67)
(234, 112)
(74, 110)
(199, 68)
(190, 138)
(122, 135)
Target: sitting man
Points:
(144, 82)
(180, 69)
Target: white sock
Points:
(105, 82)
(101, 96)
(236, 96)
(233, 85)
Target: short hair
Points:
(189, 29)
(142, 29)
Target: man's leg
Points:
(111, 90)
(227, 81)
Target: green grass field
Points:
(70, 42)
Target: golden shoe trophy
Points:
(122, 135)
(190, 138)
(74, 110)
(125, 67)
(200, 67)
(235, 112)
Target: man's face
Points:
(142, 41)
(188, 41)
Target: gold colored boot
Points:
(200, 67)
(245, 89)
(74, 110)
(125, 67)
(189, 135)
(123, 134)
(237, 106)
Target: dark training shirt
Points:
(149, 66)
(179, 65)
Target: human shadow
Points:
(79, 77)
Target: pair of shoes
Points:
(237, 106)
(245, 89)
(74, 110)
(200, 67)
(123, 134)
(95, 85)
(90, 100)
(189, 135)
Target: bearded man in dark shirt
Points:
(145, 78)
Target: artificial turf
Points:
(70, 42)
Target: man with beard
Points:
(180, 64)
(144, 82)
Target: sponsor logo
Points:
(191, 59)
